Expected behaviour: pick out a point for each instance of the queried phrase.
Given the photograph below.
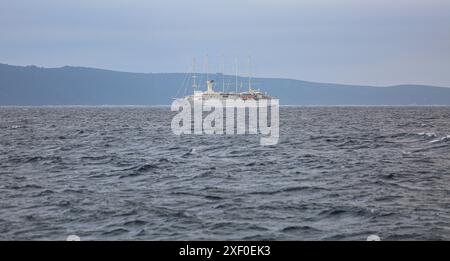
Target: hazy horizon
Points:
(376, 43)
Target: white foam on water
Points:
(441, 139)
(373, 238)
(427, 134)
(73, 238)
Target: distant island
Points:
(31, 85)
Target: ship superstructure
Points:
(210, 93)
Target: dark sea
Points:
(337, 173)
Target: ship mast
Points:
(209, 83)
(236, 67)
(194, 82)
(249, 75)
(206, 68)
(223, 71)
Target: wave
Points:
(17, 127)
(34, 159)
(116, 232)
(137, 170)
(442, 139)
(190, 152)
(427, 134)
(135, 222)
(303, 229)
(25, 186)
(288, 189)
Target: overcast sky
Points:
(382, 42)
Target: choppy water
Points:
(119, 173)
